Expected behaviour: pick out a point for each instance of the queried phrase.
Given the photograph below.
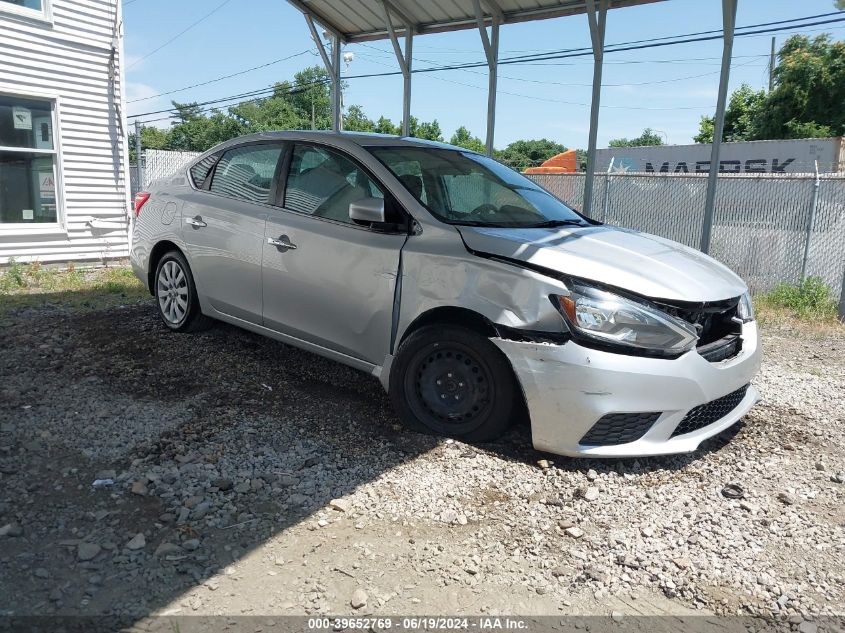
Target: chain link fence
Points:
(155, 164)
(767, 228)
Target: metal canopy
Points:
(363, 20)
(349, 21)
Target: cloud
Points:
(136, 90)
(623, 88)
(132, 63)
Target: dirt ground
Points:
(244, 476)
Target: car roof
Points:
(361, 139)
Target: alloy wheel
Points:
(173, 292)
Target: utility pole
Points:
(772, 66)
(139, 169)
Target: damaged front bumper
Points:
(568, 388)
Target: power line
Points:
(574, 103)
(181, 33)
(577, 52)
(262, 92)
(563, 83)
(216, 79)
(717, 33)
(292, 91)
(549, 52)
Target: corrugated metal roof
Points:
(361, 20)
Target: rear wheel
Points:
(176, 295)
(452, 381)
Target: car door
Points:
(223, 228)
(327, 280)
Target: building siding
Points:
(70, 59)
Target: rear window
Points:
(200, 171)
(246, 172)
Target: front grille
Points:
(710, 412)
(720, 350)
(619, 428)
(713, 320)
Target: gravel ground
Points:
(250, 477)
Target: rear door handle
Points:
(196, 222)
(282, 242)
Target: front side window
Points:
(323, 183)
(28, 163)
(469, 189)
(246, 173)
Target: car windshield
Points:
(469, 189)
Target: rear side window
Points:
(200, 171)
(246, 173)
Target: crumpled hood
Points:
(641, 263)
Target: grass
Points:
(809, 302)
(33, 285)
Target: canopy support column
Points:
(332, 65)
(597, 20)
(404, 60)
(728, 24)
(491, 51)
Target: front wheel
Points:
(176, 295)
(448, 380)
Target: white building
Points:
(64, 186)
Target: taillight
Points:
(140, 198)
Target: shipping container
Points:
(781, 156)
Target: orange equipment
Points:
(564, 163)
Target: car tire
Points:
(176, 295)
(451, 381)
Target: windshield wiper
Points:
(550, 224)
(489, 225)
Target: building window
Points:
(39, 9)
(28, 165)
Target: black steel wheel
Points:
(452, 381)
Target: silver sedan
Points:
(473, 294)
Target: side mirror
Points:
(367, 210)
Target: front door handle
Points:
(196, 222)
(282, 242)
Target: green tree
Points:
(151, 138)
(809, 89)
(356, 121)
(385, 126)
(196, 132)
(310, 92)
(520, 155)
(422, 129)
(839, 4)
(742, 117)
(264, 115)
(464, 138)
(648, 137)
(805, 102)
(706, 127)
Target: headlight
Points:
(745, 308)
(609, 318)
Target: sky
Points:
(667, 89)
